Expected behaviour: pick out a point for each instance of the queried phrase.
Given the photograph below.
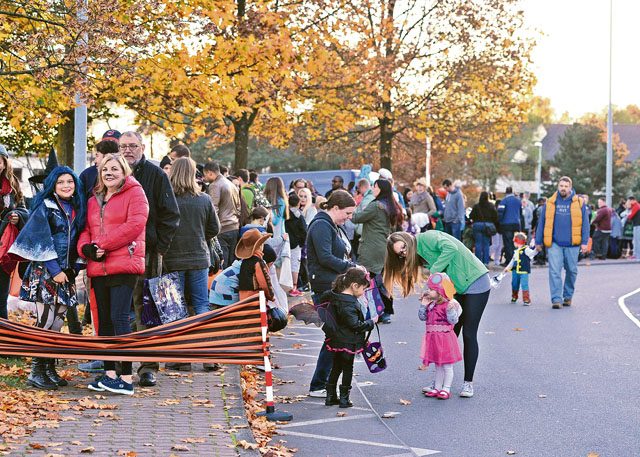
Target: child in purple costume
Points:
(440, 346)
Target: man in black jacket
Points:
(164, 218)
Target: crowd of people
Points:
(227, 235)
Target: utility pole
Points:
(609, 177)
(427, 168)
(80, 112)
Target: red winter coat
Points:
(120, 231)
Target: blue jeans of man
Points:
(519, 280)
(324, 363)
(195, 286)
(454, 229)
(482, 242)
(508, 230)
(560, 257)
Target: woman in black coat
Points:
(328, 255)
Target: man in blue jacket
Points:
(453, 210)
(563, 228)
(509, 214)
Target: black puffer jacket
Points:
(164, 216)
(326, 253)
(351, 325)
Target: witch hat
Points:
(52, 162)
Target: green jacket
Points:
(373, 242)
(445, 254)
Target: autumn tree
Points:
(230, 72)
(392, 68)
(51, 50)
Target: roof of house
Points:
(629, 135)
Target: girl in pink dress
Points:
(440, 346)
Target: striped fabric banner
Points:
(231, 335)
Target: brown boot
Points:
(514, 296)
(526, 298)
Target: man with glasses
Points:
(163, 221)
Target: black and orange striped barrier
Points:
(236, 334)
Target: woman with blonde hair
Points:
(442, 253)
(113, 242)
(188, 252)
(309, 210)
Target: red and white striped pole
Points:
(270, 409)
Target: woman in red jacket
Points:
(113, 244)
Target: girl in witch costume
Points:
(48, 241)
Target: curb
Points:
(232, 377)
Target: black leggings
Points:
(342, 363)
(472, 308)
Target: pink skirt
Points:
(440, 348)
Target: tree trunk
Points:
(241, 141)
(386, 138)
(65, 140)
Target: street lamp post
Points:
(427, 168)
(609, 169)
(539, 170)
(80, 112)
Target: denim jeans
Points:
(562, 257)
(482, 242)
(600, 243)
(508, 230)
(228, 241)
(195, 286)
(519, 280)
(324, 363)
(114, 309)
(454, 229)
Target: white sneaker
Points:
(467, 390)
(322, 393)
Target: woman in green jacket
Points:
(442, 253)
(379, 218)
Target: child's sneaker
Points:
(117, 385)
(467, 390)
(430, 390)
(443, 395)
(95, 385)
(295, 293)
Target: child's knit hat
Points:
(441, 283)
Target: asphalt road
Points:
(557, 383)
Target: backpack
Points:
(259, 198)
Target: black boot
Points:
(38, 378)
(332, 396)
(344, 397)
(50, 371)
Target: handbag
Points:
(371, 301)
(163, 300)
(489, 229)
(373, 354)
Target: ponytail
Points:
(351, 276)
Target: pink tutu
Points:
(440, 347)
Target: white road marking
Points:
(323, 421)
(626, 310)
(298, 355)
(417, 451)
(302, 339)
(322, 404)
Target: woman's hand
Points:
(61, 278)
(100, 253)
(14, 219)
